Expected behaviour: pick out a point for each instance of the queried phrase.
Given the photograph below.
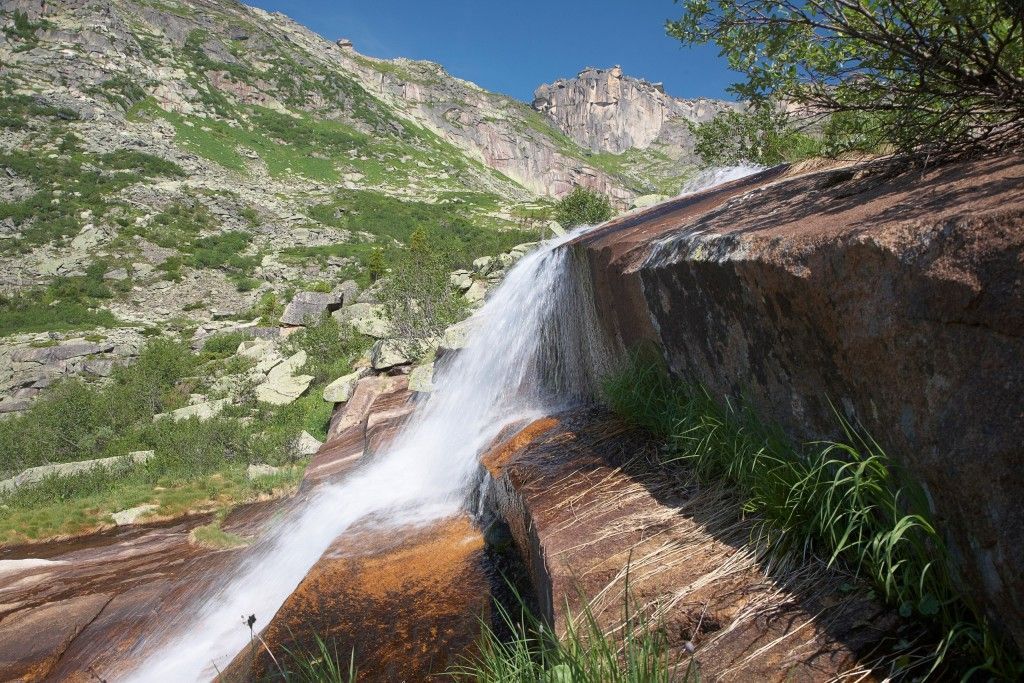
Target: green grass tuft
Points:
(635, 652)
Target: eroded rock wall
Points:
(893, 296)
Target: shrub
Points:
(762, 136)
(67, 303)
(330, 348)
(223, 343)
(582, 207)
(78, 421)
(145, 164)
(417, 296)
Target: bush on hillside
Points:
(582, 207)
(935, 76)
(417, 295)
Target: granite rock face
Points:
(894, 295)
(606, 111)
(585, 496)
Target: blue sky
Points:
(514, 46)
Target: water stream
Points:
(531, 351)
(527, 353)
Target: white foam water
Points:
(717, 175)
(527, 352)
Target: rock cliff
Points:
(890, 295)
(606, 111)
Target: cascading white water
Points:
(528, 351)
(532, 350)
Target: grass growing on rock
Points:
(839, 501)
(637, 652)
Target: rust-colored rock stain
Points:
(407, 601)
(494, 459)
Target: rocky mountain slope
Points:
(166, 163)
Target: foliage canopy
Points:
(943, 75)
(582, 207)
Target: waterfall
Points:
(529, 352)
(533, 349)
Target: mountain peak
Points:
(605, 110)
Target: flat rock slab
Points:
(32, 641)
(54, 354)
(585, 501)
(70, 606)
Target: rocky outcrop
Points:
(606, 111)
(498, 131)
(593, 511)
(892, 296)
(34, 475)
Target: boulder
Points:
(347, 292)
(893, 296)
(456, 336)
(307, 444)
(132, 515)
(461, 280)
(255, 349)
(524, 248)
(483, 264)
(389, 353)
(283, 386)
(368, 319)
(202, 411)
(421, 379)
(306, 306)
(476, 292)
(259, 470)
(340, 390)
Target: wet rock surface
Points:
(890, 295)
(409, 600)
(590, 509)
(407, 603)
(71, 607)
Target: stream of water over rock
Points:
(528, 353)
(533, 349)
